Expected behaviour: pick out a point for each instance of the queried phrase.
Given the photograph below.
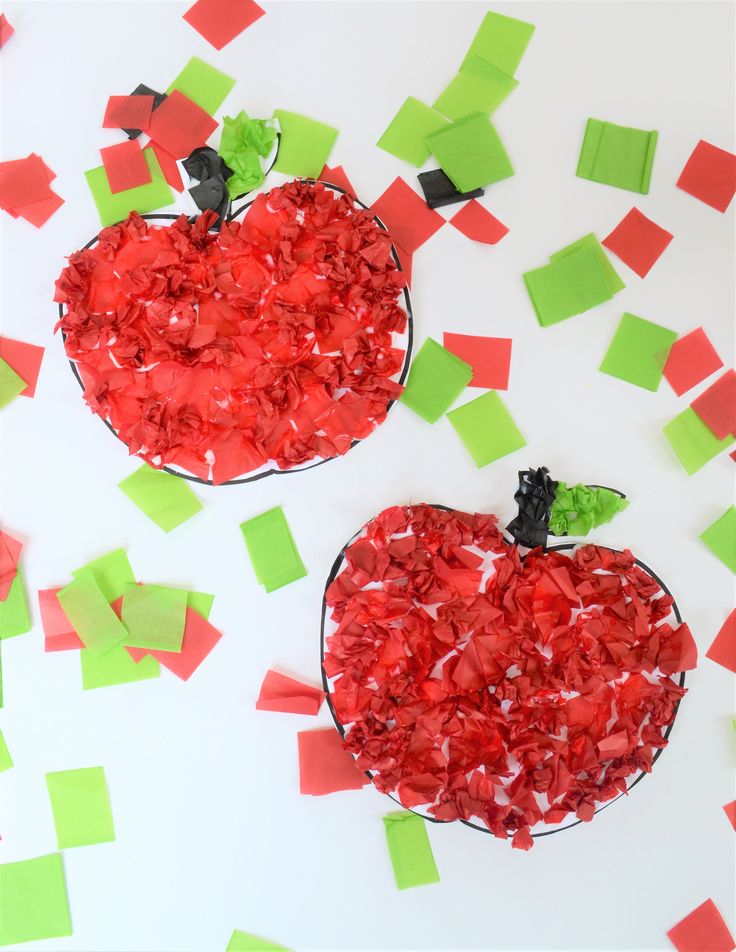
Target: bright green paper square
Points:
(692, 440)
(154, 616)
(89, 612)
(272, 549)
(115, 667)
(613, 279)
(305, 144)
(33, 900)
(721, 538)
(470, 153)
(14, 616)
(144, 198)
(486, 428)
(247, 942)
(638, 352)
(567, 286)
(6, 761)
(436, 379)
(409, 849)
(11, 385)
(408, 129)
(167, 500)
(478, 87)
(80, 803)
(501, 41)
(203, 84)
(617, 155)
(112, 572)
(200, 602)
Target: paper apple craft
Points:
(513, 692)
(274, 343)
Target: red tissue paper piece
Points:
(478, 224)
(23, 181)
(125, 166)
(220, 21)
(169, 168)
(38, 213)
(710, 175)
(490, 358)
(407, 216)
(268, 342)
(692, 358)
(324, 764)
(638, 242)
(730, 811)
(59, 633)
(703, 930)
(200, 637)
(180, 126)
(25, 359)
(6, 30)
(279, 693)
(128, 112)
(530, 691)
(723, 649)
(716, 406)
(10, 550)
(337, 176)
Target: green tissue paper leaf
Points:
(244, 144)
(409, 849)
(436, 379)
(578, 509)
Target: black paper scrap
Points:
(439, 190)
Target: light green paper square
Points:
(144, 198)
(437, 377)
(638, 352)
(6, 761)
(247, 942)
(33, 900)
(201, 603)
(272, 549)
(154, 616)
(501, 41)
(115, 667)
(90, 614)
(305, 144)
(721, 538)
(478, 87)
(486, 428)
(167, 500)
(613, 279)
(14, 616)
(567, 286)
(409, 849)
(408, 129)
(112, 572)
(80, 803)
(203, 84)
(617, 155)
(11, 385)
(470, 153)
(692, 440)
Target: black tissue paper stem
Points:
(535, 496)
(209, 168)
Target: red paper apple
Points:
(514, 692)
(275, 343)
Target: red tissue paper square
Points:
(478, 224)
(337, 176)
(702, 931)
(723, 649)
(325, 766)
(730, 811)
(6, 30)
(128, 112)
(716, 406)
(200, 637)
(25, 359)
(220, 21)
(692, 358)
(490, 358)
(180, 126)
(23, 181)
(710, 175)
(638, 242)
(125, 165)
(288, 696)
(58, 632)
(407, 216)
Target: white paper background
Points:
(212, 833)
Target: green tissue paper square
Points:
(486, 428)
(203, 84)
(200, 602)
(112, 572)
(407, 131)
(613, 279)
(470, 153)
(501, 41)
(14, 616)
(167, 500)
(80, 803)
(638, 352)
(409, 849)
(692, 440)
(11, 385)
(6, 761)
(567, 286)
(115, 667)
(33, 900)
(305, 144)
(436, 379)
(721, 538)
(478, 87)
(272, 549)
(617, 155)
(154, 616)
(247, 942)
(90, 614)
(144, 198)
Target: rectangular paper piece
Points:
(470, 152)
(410, 223)
(125, 166)
(490, 358)
(288, 696)
(10, 550)
(25, 359)
(617, 155)
(436, 379)
(721, 538)
(638, 242)
(324, 764)
(84, 604)
(486, 428)
(14, 616)
(112, 571)
(165, 499)
(305, 144)
(200, 637)
(113, 208)
(478, 87)
(407, 131)
(692, 359)
(154, 616)
(25, 189)
(142, 90)
(128, 112)
(703, 930)
(80, 803)
(247, 942)
(710, 175)
(220, 21)
(716, 406)
(11, 384)
(180, 125)
(272, 549)
(501, 41)
(409, 849)
(59, 633)
(638, 352)
(115, 667)
(723, 649)
(203, 85)
(692, 441)
(33, 900)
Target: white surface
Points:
(212, 833)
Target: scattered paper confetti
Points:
(25, 359)
(617, 155)
(692, 441)
(439, 190)
(113, 208)
(490, 358)
(167, 500)
(478, 87)
(638, 352)
(721, 538)
(85, 605)
(11, 385)
(59, 633)
(710, 175)
(272, 549)
(691, 360)
(409, 849)
(410, 223)
(220, 21)
(202, 84)
(305, 144)
(142, 90)
(247, 942)
(132, 112)
(288, 696)
(436, 379)
(716, 406)
(6, 30)
(501, 41)
(14, 616)
(180, 125)
(33, 900)
(638, 242)
(125, 166)
(471, 153)
(324, 764)
(10, 550)
(723, 649)
(703, 930)
(200, 637)
(80, 803)
(407, 131)
(154, 616)
(730, 810)
(478, 224)
(6, 761)
(486, 428)
(115, 667)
